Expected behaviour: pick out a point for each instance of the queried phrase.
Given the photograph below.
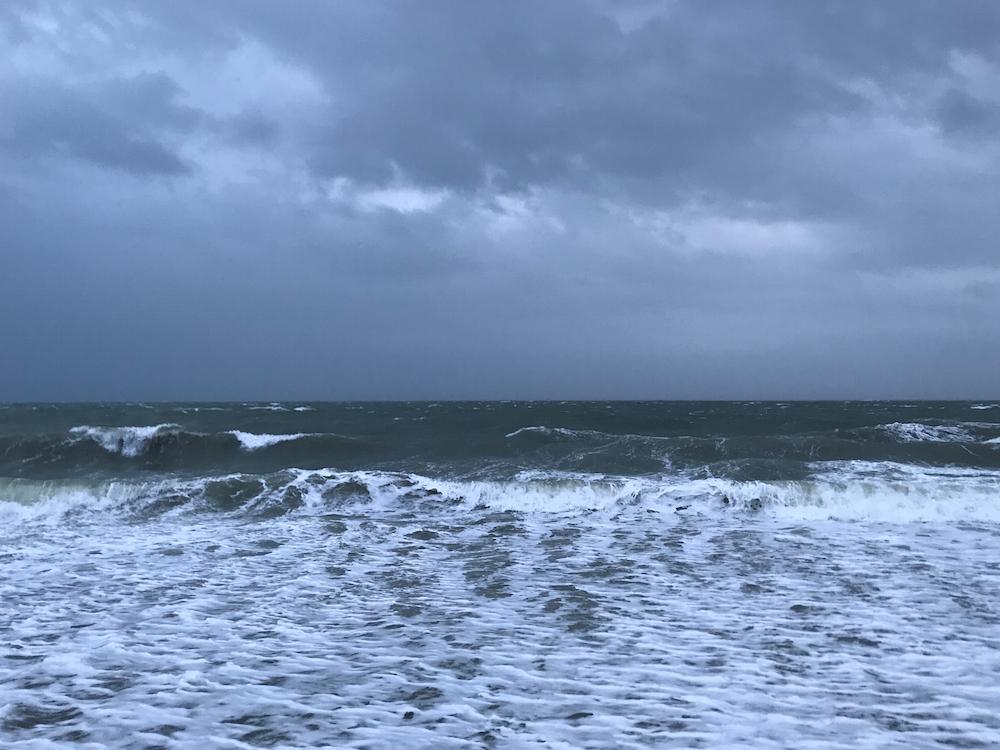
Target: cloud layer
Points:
(461, 200)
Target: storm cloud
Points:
(449, 199)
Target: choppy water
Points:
(500, 575)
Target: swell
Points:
(216, 444)
(972, 444)
(854, 490)
(933, 431)
(87, 449)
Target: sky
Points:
(246, 199)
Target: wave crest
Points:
(558, 432)
(917, 432)
(894, 493)
(126, 441)
(251, 441)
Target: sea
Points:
(500, 575)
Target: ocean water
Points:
(508, 575)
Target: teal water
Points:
(752, 440)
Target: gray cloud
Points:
(112, 126)
(960, 113)
(453, 199)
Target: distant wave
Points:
(169, 446)
(277, 407)
(565, 432)
(126, 441)
(251, 442)
(905, 432)
(916, 432)
(134, 441)
(542, 430)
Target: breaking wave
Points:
(893, 493)
(90, 449)
(559, 432)
(916, 432)
(251, 441)
(127, 441)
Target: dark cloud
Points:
(962, 114)
(456, 94)
(114, 125)
(462, 199)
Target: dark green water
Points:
(749, 441)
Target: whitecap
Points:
(916, 432)
(251, 441)
(851, 490)
(128, 441)
(556, 431)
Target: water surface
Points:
(500, 574)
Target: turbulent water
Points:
(510, 575)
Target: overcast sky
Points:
(709, 198)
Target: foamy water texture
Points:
(839, 602)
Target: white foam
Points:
(849, 490)
(51, 501)
(547, 496)
(128, 441)
(251, 441)
(985, 406)
(434, 628)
